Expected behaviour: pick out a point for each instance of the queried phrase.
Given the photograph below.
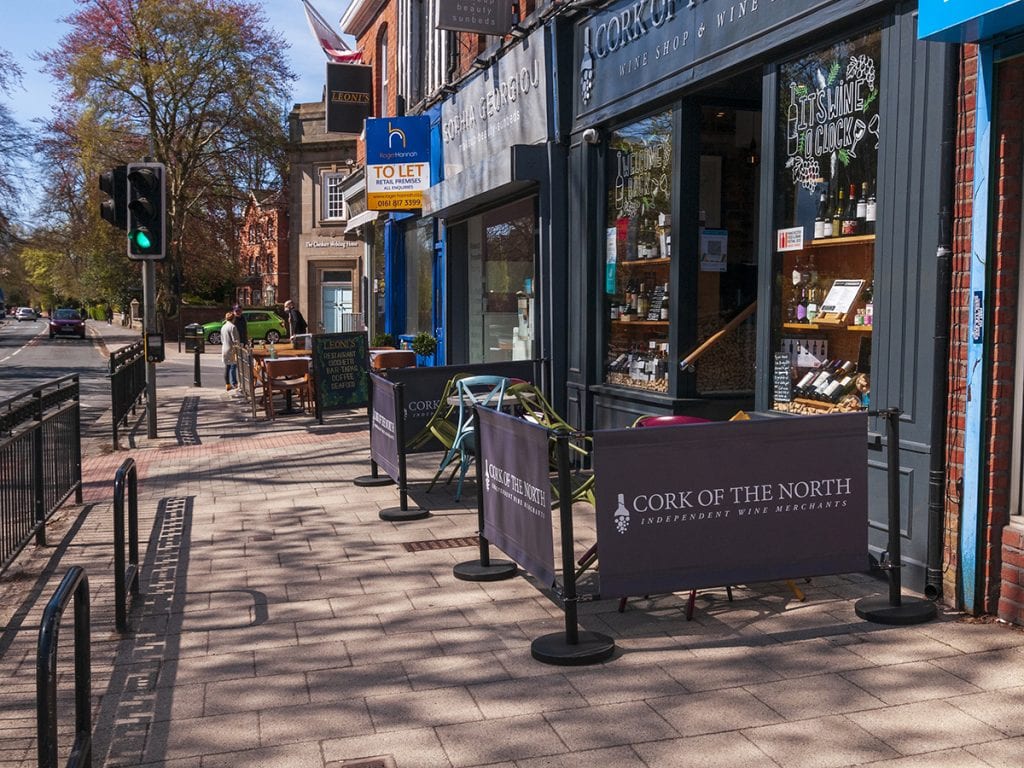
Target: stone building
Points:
(326, 251)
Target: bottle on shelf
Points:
(842, 385)
(850, 213)
(828, 384)
(862, 210)
(801, 306)
(869, 304)
(819, 219)
(837, 215)
(801, 386)
(664, 303)
(870, 211)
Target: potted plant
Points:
(424, 345)
(383, 340)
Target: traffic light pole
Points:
(149, 326)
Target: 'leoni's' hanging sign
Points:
(397, 162)
(632, 45)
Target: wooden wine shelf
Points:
(638, 262)
(644, 323)
(831, 242)
(816, 327)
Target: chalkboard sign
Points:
(340, 366)
(783, 381)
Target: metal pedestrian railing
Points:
(127, 382)
(75, 585)
(126, 577)
(40, 461)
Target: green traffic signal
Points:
(142, 240)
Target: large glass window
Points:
(502, 251)
(638, 252)
(333, 200)
(827, 134)
(419, 268)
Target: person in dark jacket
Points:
(241, 325)
(296, 322)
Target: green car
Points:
(260, 324)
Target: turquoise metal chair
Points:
(471, 391)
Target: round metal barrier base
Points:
(911, 610)
(369, 481)
(398, 514)
(592, 648)
(474, 570)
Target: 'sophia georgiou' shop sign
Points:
(488, 17)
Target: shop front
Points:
(985, 475)
(501, 194)
(758, 194)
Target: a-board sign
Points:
(758, 500)
(340, 365)
(384, 427)
(782, 379)
(513, 467)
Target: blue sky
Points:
(34, 25)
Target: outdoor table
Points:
(260, 355)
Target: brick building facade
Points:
(263, 251)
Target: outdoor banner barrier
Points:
(383, 427)
(722, 503)
(340, 367)
(423, 388)
(513, 465)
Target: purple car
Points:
(67, 322)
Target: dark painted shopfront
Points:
(502, 206)
(763, 174)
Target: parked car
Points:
(67, 322)
(260, 323)
(25, 313)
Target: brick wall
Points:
(1002, 554)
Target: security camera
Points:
(591, 136)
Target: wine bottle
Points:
(870, 211)
(801, 306)
(850, 213)
(862, 209)
(804, 382)
(831, 376)
(819, 219)
(837, 215)
(842, 384)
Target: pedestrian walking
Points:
(109, 314)
(296, 322)
(241, 324)
(229, 351)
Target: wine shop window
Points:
(638, 252)
(827, 136)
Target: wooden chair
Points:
(396, 358)
(288, 376)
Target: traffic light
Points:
(146, 217)
(115, 183)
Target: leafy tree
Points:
(200, 85)
(14, 147)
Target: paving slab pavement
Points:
(282, 623)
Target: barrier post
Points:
(483, 569)
(571, 648)
(374, 478)
(125, 578)
(895, 609)
(38, 480)
(403, 512)
(75, 584)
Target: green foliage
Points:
(383, 340)
(423, 344)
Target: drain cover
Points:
(387, 761)
(422, 546)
